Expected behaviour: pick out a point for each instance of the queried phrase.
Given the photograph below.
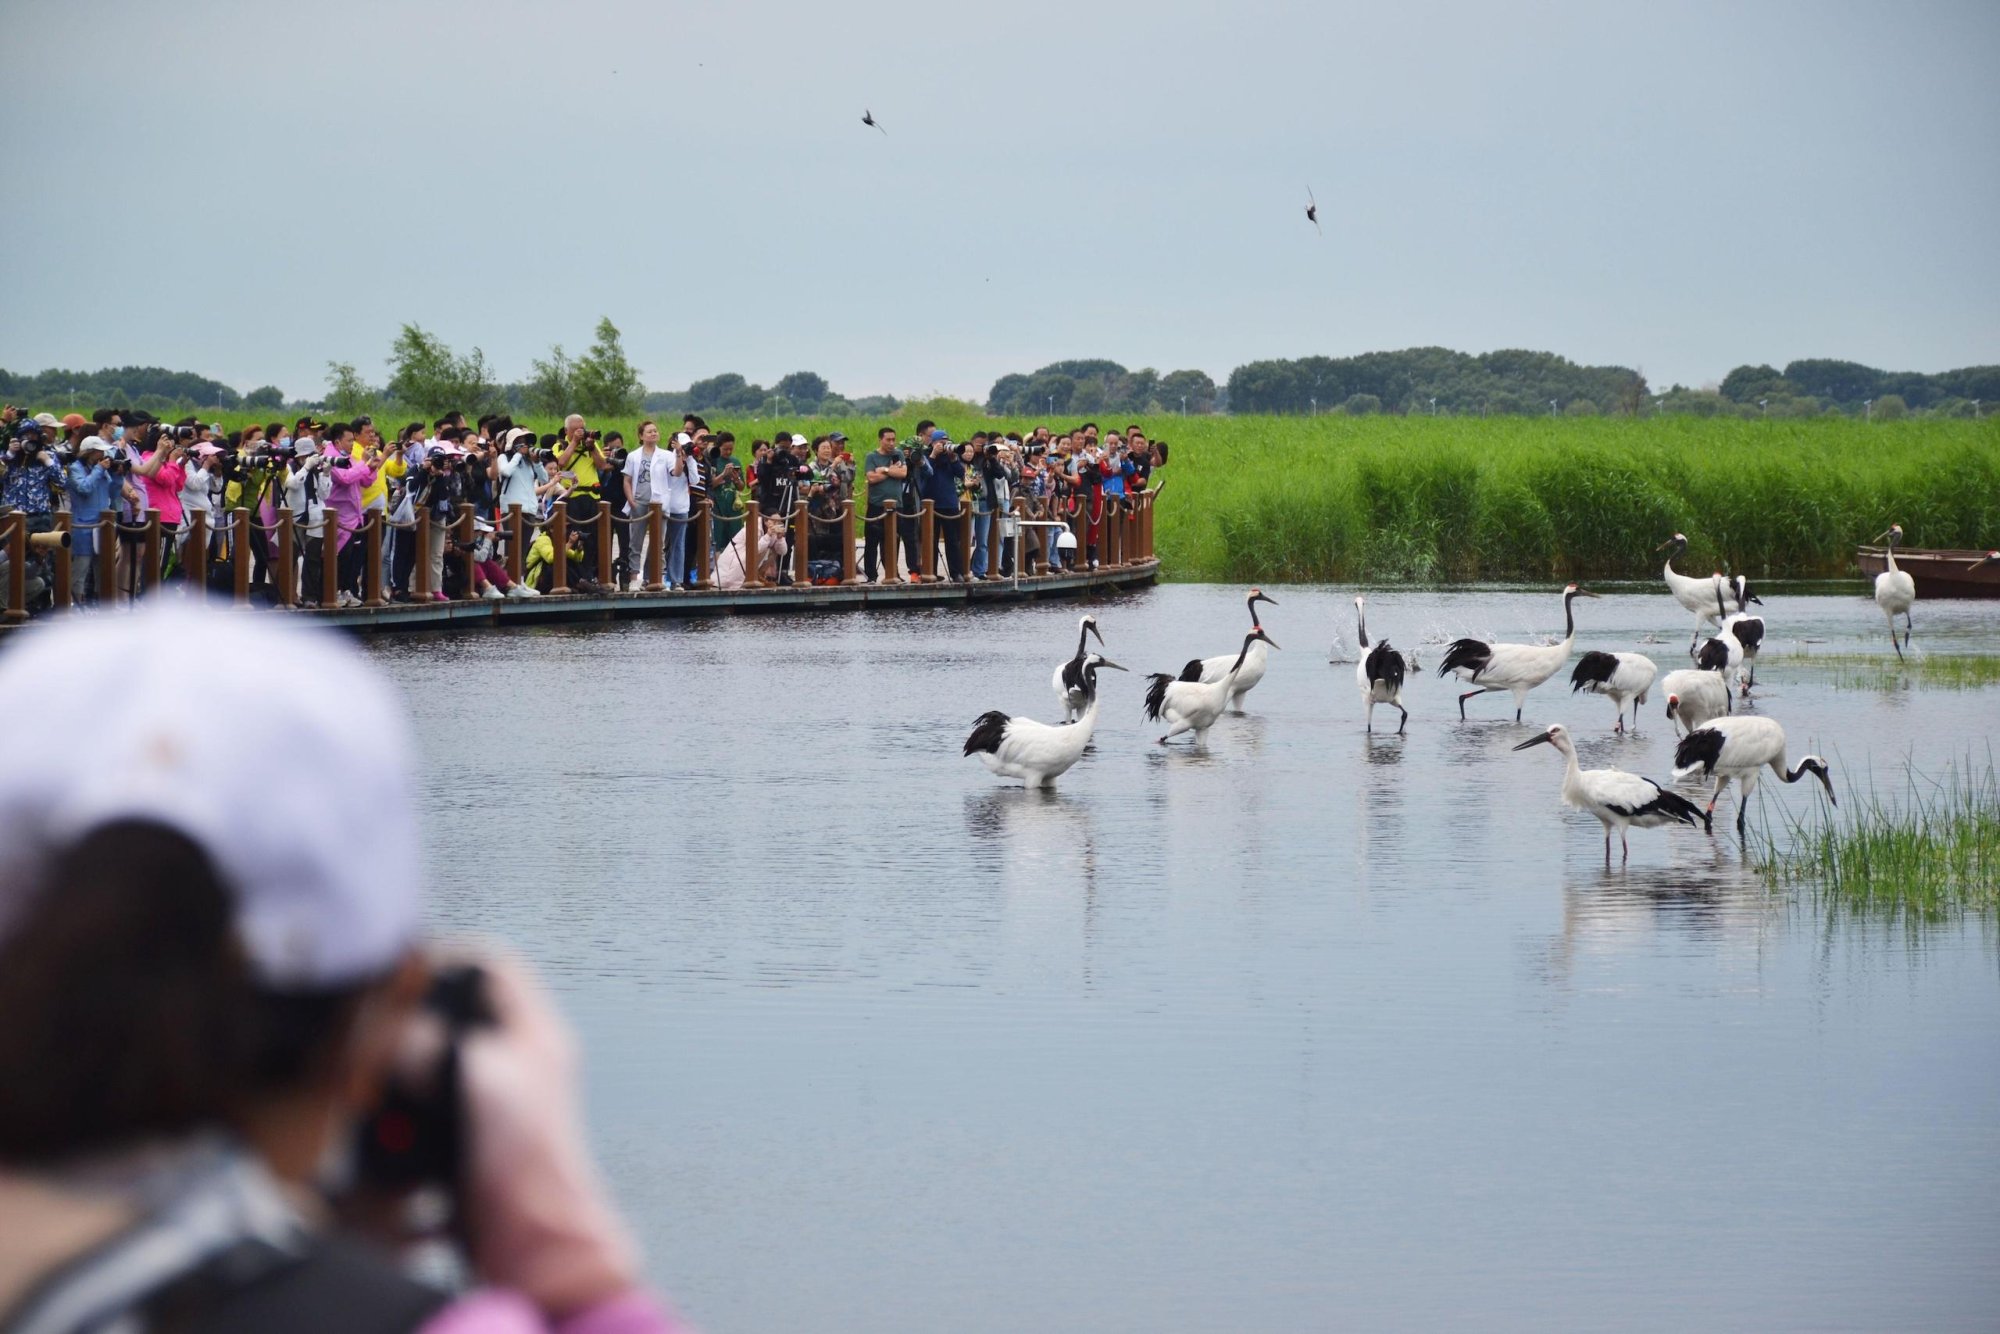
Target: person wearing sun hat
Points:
(92, 490)
(209, 978)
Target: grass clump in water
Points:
(1932, 856)
(1931, 671)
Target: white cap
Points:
(800, 440)
(47, 420)
(683, 438)
(302, 796)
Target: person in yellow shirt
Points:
(583, 458)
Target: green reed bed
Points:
(1931, 854)
(1931, 671)
(1432, 499)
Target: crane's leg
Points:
(1180, 725)
(1406, 719)
(1470, 694)
(1624, 844)
(1607, 845)
(1620, 728)
(1908, 626)
(1520, 698)
(1371, 714)
(1892, 637)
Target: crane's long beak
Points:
(1266, 638)
(1983, 562)
(1103, 661)
(1541, 740)
(1264, 597)
(1099, 633)
(1827, 783)
(1664, 545)
(1583, 593)
(1880, 536)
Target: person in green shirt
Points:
(885, 470)
(725, 491)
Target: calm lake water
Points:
(1304, 1031)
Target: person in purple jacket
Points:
(234, 1096)
(348, 477)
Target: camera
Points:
(416, 1135)
(545, 456)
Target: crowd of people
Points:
(330, 476)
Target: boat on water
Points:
(1939, 574)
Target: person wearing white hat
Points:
(205, 998)
(92, 490)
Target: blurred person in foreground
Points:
(202, 1007)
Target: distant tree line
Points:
(427, 377)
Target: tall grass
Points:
(1390, 498)
(1932, 854)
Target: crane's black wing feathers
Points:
(1385, 665)
(1666, 806)
(1712, 656)
(987, 732)
(1703, 747)
(1156, 694)
(1471, 654)
(1192, 672)
(1593, 670)
(1749, 632)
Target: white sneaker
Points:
(349, 600)
(528, 591)
(493, 593)
(514, 592)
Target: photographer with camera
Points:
(582, 457)
(725, 486)
(944, 486)
(884, 470)
(992, 495)
(242, 1092)
(32, 483)
(439, 490)
(92, 490)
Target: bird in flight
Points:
(1312, 211)
(868, 118)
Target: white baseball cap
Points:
(800, 440)
(303, 800)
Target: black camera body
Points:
(416, 1135)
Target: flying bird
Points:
(868, 119)
(1312, 211)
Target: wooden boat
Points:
(1939, 574)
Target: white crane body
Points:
(1380, 672)
(1741, 748)
(1068, 679)
(1190, 704)
(1694, 696)
(1252, 669)
(1035, 752)
(1618, 799)
(1514, 668)
(1895, 590)
(1623, 677)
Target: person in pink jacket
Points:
(347, 478)
(204, 1009)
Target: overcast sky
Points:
(249, 190)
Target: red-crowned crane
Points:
(1515, 668)
(1191, 704)
(1745, 629)
(1038, 753)
(1895, 590)
(1696, 594)
(1695, 695)
(1622, 676)
(1252, 671)
(1379, 673)
(1740, 748)
(1619, 800)
(1068, 680)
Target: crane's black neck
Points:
(1569, 614)
(1251, 603)
(1248, 640)
(1082, 638)
(1361, 625)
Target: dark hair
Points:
(721, 438)
(609, 436)
(881, 431)
(924, 425)
(274, 430)
(131, 1009)
(102, 416)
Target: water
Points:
(1307, 1030)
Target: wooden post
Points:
(927, 543)
(371, 575)
(654, 576)
(239, 543)
(463, 532)
(515, 531)
(420, 568)
(558, 526)
(1021, 531)
(965, 538)
(891, 530)
(1114, 530)
(17, 566)
(1152, 501)
(801, 532)
(61, 590)
(847, 574)
(753, 532)
(702, 544)
(149, 551)
(329, 558)
(288, 563)
(603, 525)
(194, 554)
(107, 564)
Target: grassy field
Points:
(1384, 499)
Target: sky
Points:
(250, 190)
